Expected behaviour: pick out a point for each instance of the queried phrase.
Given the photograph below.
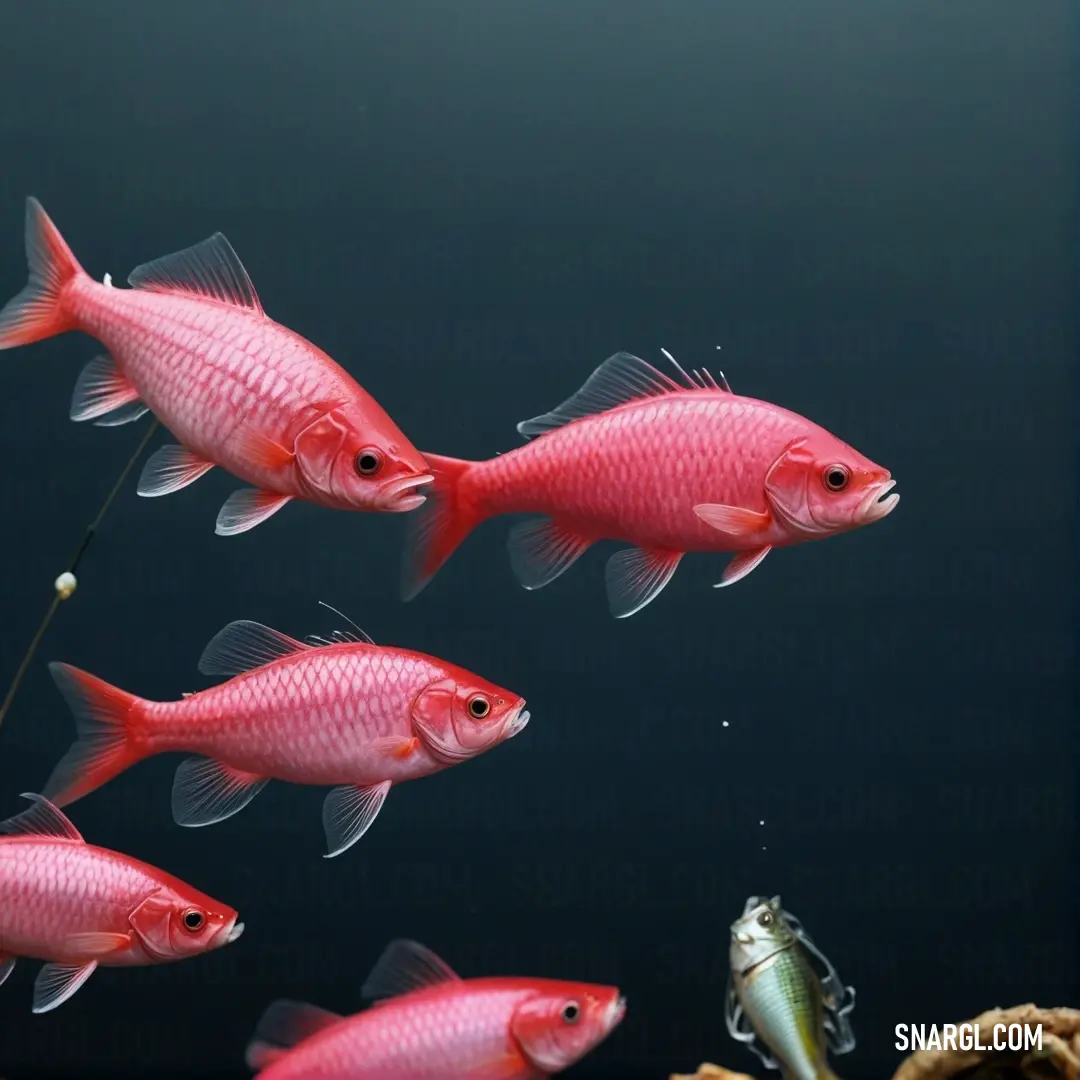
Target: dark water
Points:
(871, 207)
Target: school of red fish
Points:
(665, 462)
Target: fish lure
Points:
(776, 998)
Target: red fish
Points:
(336, 711)
(80, 907)
(669, 464)
(433, 1025)
(190, 341)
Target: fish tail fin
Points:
(437, 528)
(107, 720)
(39, 311)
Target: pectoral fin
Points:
(95, 944)
(734, 521)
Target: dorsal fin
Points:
(618, 380)
(210, 269)
(356, 635)
(282, 1026)
(403, 967)
(42, 819)
(243, 645)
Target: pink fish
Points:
(81, 907)
(337, 711)
(190, 341)
(669, 464)
(433, 1025)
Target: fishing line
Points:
(65, 585)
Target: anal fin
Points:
(741, 565)
(206, 791)
(246, 508)
(101, 390)
(57, 982)
(541, 549)
(169, 469)
(636, 576)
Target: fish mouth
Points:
(876, 505)
(517, 721)
(618, 1011)
(399, 496)
(234, 932)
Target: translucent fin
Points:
(434, 530)
(210, 269)
(741, 565)
(100, 389)
(281, 1027)
(104, 718)
(42, 819)
(618, 380)
(733, 521)
(403, 967)
(244, 645)
(7, 966)
(636, 576)
(348, 813)
(126, 414)
(246, 508)
(206, 791)
(541, 550)
(57, 982)
(169, 469)
(39, 311)
(340, 637)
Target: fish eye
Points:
(766, 919)
(571, 1012)
(836, 477)
(479, 706)
(368, 461)
(194, 920)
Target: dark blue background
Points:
(871, 207)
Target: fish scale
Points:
(351, 714)
(640, 469)
(451, 1031)
(309, 720)
(191, 342)
(170, 349)
(52, 888)
(667, 464)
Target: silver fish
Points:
(774, 994)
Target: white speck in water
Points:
(762, 822)
(726, 724)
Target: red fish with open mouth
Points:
(339, 711)
(191, 342)
(430, 1024)
(80, 907)
(668, 463)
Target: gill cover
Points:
(318, 445)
